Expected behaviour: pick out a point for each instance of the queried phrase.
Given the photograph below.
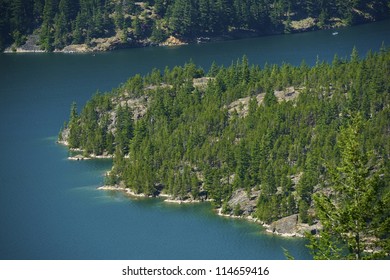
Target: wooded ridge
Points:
(99, 25)
(276, 133)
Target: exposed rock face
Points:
(303, 24)
(139, 106)
(285, 226)
(102, 45)
(246, 202)
(81, 48)
(96, 45)
(31, 45)
(173, 41)
(241, 106)
(78, 157)
(287, 94)
(201, 83)
(290, 226)
(63, 139)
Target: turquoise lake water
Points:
(49, 206)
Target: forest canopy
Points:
(59, 23)
(276, 132)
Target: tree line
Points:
(62, 22)
(299, 152)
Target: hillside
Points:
(100, 25)
(272, 133)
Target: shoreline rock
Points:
(168, 198)
(91, 156)
(127, 191)
(172, 41)
(83, 157)
(291, 227)
(30, 46)
(114, 42)
(285, 227)
(184, 201)
(246, 217)
(78, 157)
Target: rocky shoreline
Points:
(113, 43)
(96, 45)
(92, 156)
(285, 227)
(167, 198)
(289, 226)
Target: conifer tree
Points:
(351, 217)
(74, 127)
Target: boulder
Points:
(247, 202)
(290, 226)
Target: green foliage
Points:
(62, 22)
(237, 210)
(270, 99)
(169, 134)
(158, 34)
(352, 216)
(287, 254)
(74, 127)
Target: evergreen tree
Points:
(46, 34)
(194, 140)
(270, 99)
(38, 11)
(74, 127)
(137, 28)
(60, 31)
(77, 30)
(18, 17)
(352, 218)
(119, 15)
(182, 18)
(182, 21)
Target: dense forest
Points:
(288, 133)
(59, 23)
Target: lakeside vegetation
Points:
(124, 23)
(312, 141)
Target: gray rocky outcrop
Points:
(31, 45)
(246, 202)
(290, 226)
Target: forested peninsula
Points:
(101, 25)
(299, 148)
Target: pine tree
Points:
(350, 216)
(137, 28)
(270, 99)
(74, 127)
(77, 30)
(38, 11)
(46, 35)
(119, 15)
(60, 31)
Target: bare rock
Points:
(173, 41)
(31, 45)
(290, 227)
(246, 202)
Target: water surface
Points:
(49, 206)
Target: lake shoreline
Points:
(101, 45)
(268, 228)
(61, 195)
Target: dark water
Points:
(49, 206)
